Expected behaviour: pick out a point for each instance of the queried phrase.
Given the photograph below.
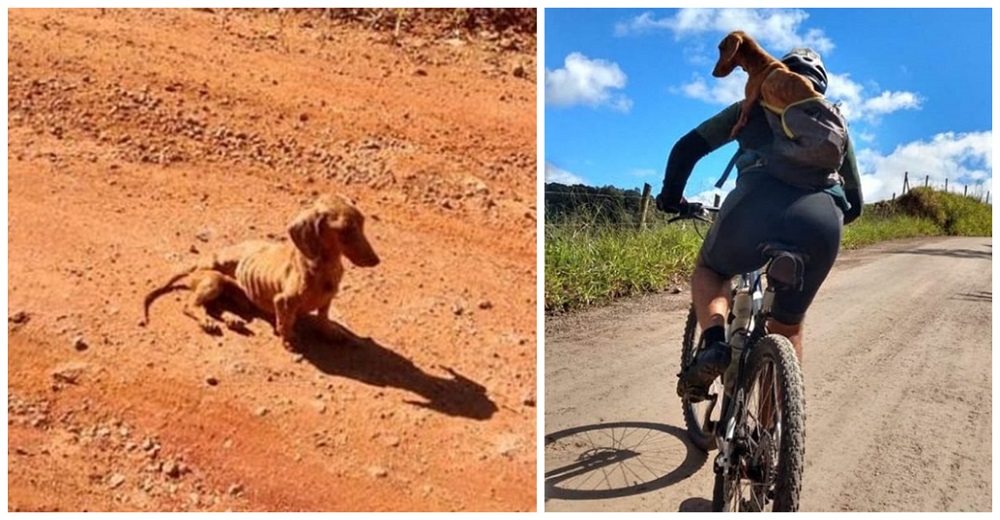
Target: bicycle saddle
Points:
(786, 269)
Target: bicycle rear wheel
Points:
(699, 418)
(770, 434)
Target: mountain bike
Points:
(759, 429)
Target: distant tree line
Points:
(608, 204)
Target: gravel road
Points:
(898, 392)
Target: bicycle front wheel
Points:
(770, 434)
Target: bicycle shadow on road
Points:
(613, 460)
(975, 296)
(957, 253)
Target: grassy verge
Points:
(589, 262)
(591, 265)
(869, 230)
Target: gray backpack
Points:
(809, 145)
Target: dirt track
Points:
(898, 392)
(139, 138)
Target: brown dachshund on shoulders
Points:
(770, 80)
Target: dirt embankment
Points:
(141, 138)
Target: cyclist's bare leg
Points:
(710, 298)
(710, 294)
(792, 332)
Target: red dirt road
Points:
(140, 138)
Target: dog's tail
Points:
(164, 289)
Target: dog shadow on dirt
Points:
(613, 460)
(336, 350)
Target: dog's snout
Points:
(361, 253)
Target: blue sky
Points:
(622, 85)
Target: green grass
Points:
(869, 230)
(596, 264)
(590, 259)
(957, 215)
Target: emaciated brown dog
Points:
(282, 280)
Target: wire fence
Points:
(580, 208)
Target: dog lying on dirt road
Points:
(770, 80)
(283, 280)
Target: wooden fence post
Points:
(927, 181)
(906, 182)
(966, 192)
(717, 198)
(644, 204)
(946, 185)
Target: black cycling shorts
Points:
(763, 209)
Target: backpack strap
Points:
(728, 170)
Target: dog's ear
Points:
(306, 230)
(728, 48)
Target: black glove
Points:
(665, 203)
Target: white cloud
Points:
(965, 159)
(724, 91)
(585, 81)
(554, 174)
(858, 105)
(779, 29)
(888, 102)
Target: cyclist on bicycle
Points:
(760, 209)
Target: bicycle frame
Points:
(733, 405)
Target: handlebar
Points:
(695, 211)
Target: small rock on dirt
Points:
(235, 489)
(261, 412)
(378, 472)
(19, 318)
(116, 480)
(171, 469)
(79, 344)
(485, 304)
(212, 381)
(69, 373)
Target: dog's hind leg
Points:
(206, 287)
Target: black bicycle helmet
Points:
(807, 63)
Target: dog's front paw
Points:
(236, 325)
(210, 327)
(290, 345)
